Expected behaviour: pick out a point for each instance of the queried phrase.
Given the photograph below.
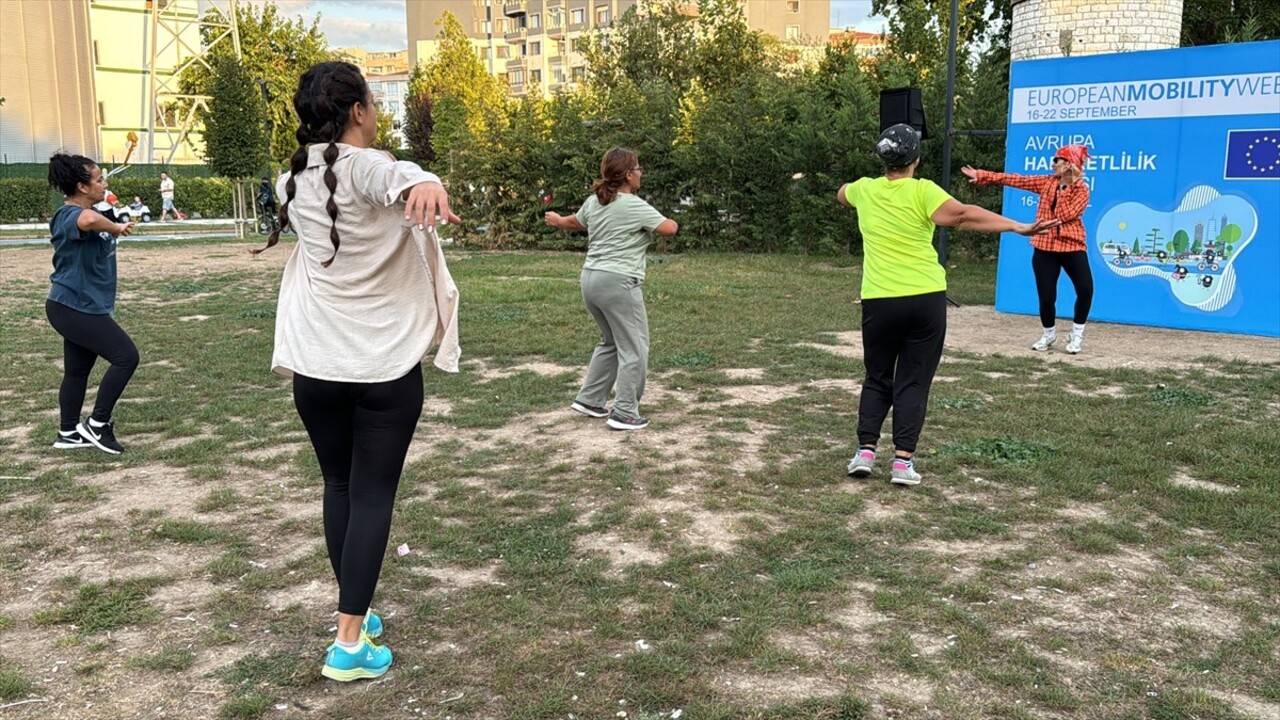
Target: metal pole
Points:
(946, 121)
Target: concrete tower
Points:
(1061, 28)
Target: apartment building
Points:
(392, 62)
(535, 45)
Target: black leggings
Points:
(361, 433)
(901, 347)
(1047, 266)
(85, 338)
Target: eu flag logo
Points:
(1253, 155)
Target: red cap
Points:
(1074, 154)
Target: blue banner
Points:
(1183, 224)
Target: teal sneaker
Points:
(372, 626)
(368, 661)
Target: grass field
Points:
(1089, 542)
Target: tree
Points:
(386, 139)
(466, 100)
(1196, 247)
(419, 125)
(273, 49)
(233, 131)
(1209, 22)
(1180, 242)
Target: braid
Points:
(326, 92)
(331, 182)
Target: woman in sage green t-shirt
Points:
(619, 228)
(904, 306)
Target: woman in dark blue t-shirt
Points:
(81, 301)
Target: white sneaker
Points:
(1075, 343)
(904, 473)
(862, 464)
(1044, 343)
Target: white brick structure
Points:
(1060, 28)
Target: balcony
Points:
(514, 8)
(515, 36)
(516, 63)
(550, 5)
(517, 88)
(555, 31)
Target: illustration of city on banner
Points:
(1194, 247)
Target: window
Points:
(504, 52)
(96, 61)
(573, 45)
(577, 16)
(535, 21)
(516, 76)
(102, 113)
(535, 47)
(579, 73)
(602, 15)
(482, 53)
(535, 76)
(793, 32)
(558, 75)
(793, 6)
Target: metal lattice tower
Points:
(173, 113)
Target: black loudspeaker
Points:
(903, 105)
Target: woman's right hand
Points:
(124, 228)
(970, 173)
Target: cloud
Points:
(375, 25)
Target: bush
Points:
(24, 199)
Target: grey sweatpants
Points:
(622, 357)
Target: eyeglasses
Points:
(637, 169)
(1059, 160)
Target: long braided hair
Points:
(326, 92)
(614, 167)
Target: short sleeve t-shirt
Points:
(84, 265)
(618, 233)
(897, 236)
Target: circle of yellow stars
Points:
(1248, 153)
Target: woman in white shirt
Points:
(362, 300)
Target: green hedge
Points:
(26, 199)
(40, 171)
(23, 199)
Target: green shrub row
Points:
(40, 171)
(24, 199)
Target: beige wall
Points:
(122, 43)
(46, 79)
(810, 19)
(1054, 28)
(421, 17)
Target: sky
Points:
(378, 25)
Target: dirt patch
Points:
(620, 553)
(979, 329)
(1182, 479)
(785, 687)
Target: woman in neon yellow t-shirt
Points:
(904, 305)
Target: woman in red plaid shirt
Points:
(1063, 196)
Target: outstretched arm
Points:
(92, 221)
(567, 222)
(1032, 183)
(955, 214)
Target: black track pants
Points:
(901, 347)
